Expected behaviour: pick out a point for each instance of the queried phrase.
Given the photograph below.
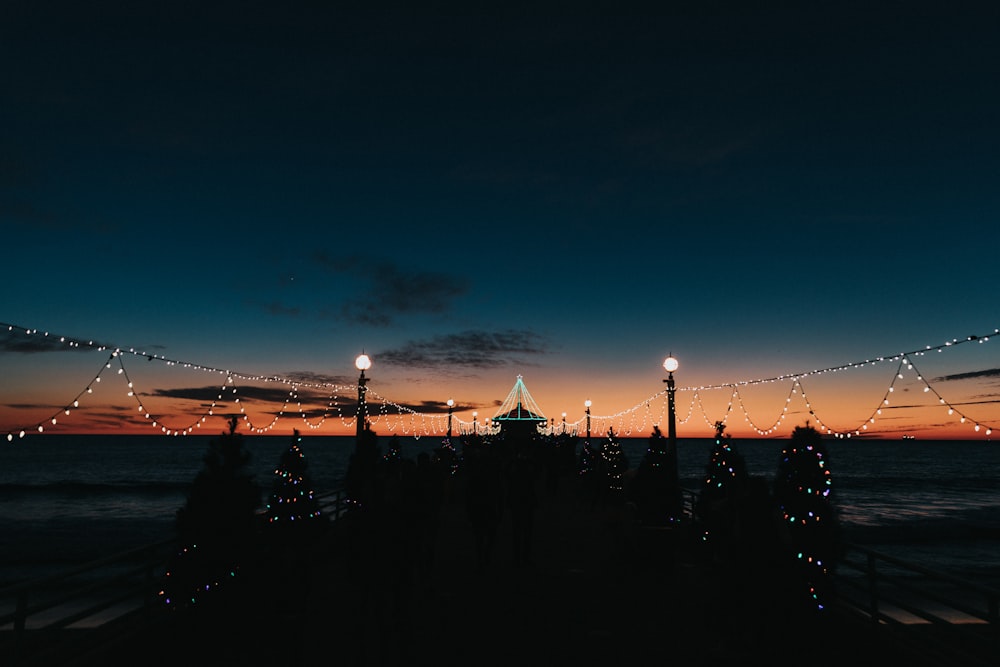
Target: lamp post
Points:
(670, 365)
(564, 424)
(362, 363)
(451, 405)
(475, 423)
(586, 403)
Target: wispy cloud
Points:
(439, 407)
(273, 394)
(468, 349)
(971, 375)
(390, 290)
(31, 406)
(36, 343)
(312, 377)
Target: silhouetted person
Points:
(522, 499)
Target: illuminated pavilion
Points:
(519, 415)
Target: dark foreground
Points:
(596, 590)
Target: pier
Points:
(598, 589)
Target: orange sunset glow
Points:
(924, 394)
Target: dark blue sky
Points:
(568, 191)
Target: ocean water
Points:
(67, 499)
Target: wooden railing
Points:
(45, 620)
(38, 618)
(333, 503)
(934, 613)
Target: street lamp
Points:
(670, 365)
(564, 424)
(475, 423)
(451, 404)
(362, 363)
(587, 404)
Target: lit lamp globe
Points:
(670, 364)
(362, 363)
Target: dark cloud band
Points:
(468, 349)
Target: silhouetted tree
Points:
(612, 464)
(721, 493)
(217, 525)
(566, 445)
(654, 489)
(447, 456)
(293, 512)
(588, 482)
(803, 488)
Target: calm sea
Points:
(66, 499)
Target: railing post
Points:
(872, 589)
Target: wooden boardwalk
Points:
(598, 590)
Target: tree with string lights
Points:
(294, 528)
(612, 464)
(654, 488)
(217, 526)
(803, 492)
(722, 487)
(293, 512)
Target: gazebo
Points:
(519, 415)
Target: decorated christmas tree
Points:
(613, 463)
(447, 456)
(217, 526)
(722, 487)
(586, 460)
(393, 454)
(588, 484)
(293, 511)
(655, 488)
(803, 488)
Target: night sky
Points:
(567, 192)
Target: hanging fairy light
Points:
(394, 416)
